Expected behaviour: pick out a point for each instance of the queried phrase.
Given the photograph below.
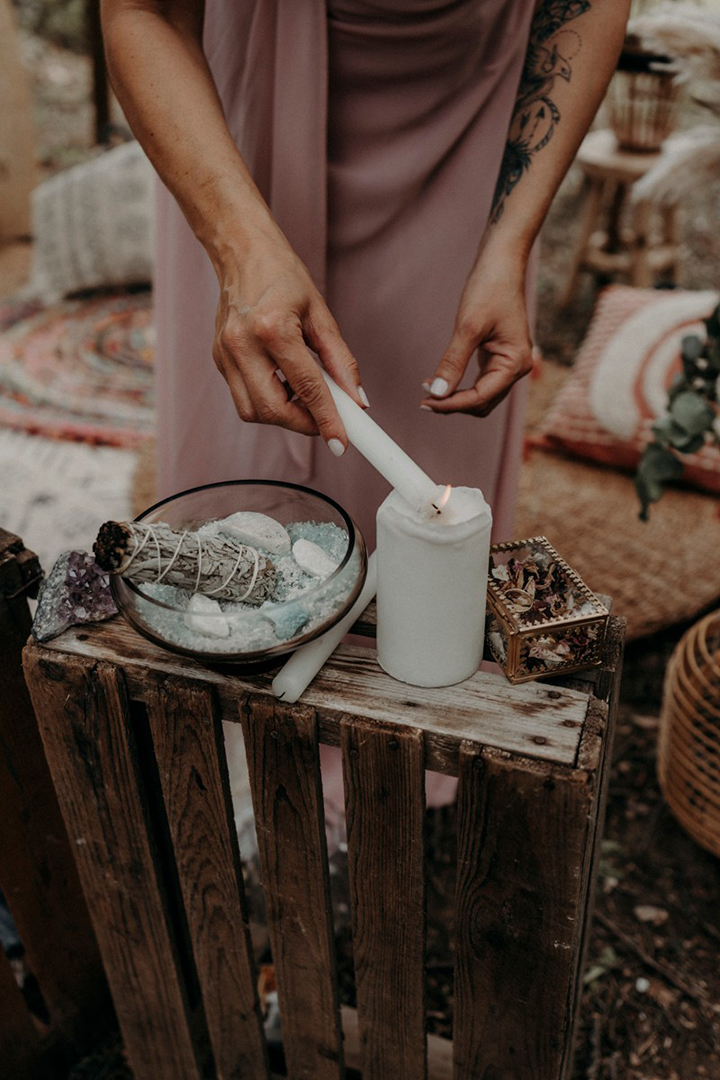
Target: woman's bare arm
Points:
(572, 53)
(270, 313)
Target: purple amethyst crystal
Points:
(76, 591)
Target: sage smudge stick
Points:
(158, 554)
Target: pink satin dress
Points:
(375, 130)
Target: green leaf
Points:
(669, 433)
(692, 444)
(658, 466)
(691, 413)
(713, 323)
(692, 347)
(679, 384)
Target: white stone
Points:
(312, 559)
(258, 530)
(205, 616)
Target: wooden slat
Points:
(522, 838)
(83, 717)
(21, 1053)
(536, 720)
(37, 868)
(440, 1064)
(284, 770)
(383, 769)
(602, 744)
(188, 740)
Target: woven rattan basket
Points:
(642, 100)
(689, 751)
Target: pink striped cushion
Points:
(619, 385)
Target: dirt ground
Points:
(651, 1003)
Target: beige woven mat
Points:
(658, 573)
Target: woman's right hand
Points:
(269, 317)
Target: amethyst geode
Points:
(76, 591)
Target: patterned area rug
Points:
(80, 369)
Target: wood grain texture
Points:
(600, 744)
(439, 1050)
(37, 868)
(284, 769)
(83, 717)
(383, 769)
(190, 753)
(536, 720)
(522, 842)
(21, 1052)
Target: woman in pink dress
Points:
(354, 180)
(361, 180)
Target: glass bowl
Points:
(257, 634)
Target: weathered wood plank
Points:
(83, 717)
(522, 838)
(21, 1053)
(383, 769)
(284, 769)
(188, 741)
(37, 868)
(440, 1064)
(486, 708)
(600, 745)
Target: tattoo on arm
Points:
(551, 48)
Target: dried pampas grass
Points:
(688, 34)
(688, 158)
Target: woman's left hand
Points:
(492, 320)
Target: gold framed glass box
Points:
(542, 619)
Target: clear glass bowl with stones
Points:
(303, 606)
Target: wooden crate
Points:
(134, 740)
(37, 869)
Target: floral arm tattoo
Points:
(551, 48)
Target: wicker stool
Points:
(689, 751)
(648, 247)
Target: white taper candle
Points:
(378, 448)
(296, 675)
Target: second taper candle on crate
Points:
(431, 590)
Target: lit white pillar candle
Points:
(296, 675)
(432, 581)
(378, 448)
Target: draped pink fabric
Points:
(375, 130)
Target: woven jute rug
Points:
(658, 573)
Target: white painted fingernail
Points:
(426, 408)
(439, 387)
(336, 447)
(363, 397)
(426, 387)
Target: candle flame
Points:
(442, 501)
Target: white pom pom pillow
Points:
(93, 225)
